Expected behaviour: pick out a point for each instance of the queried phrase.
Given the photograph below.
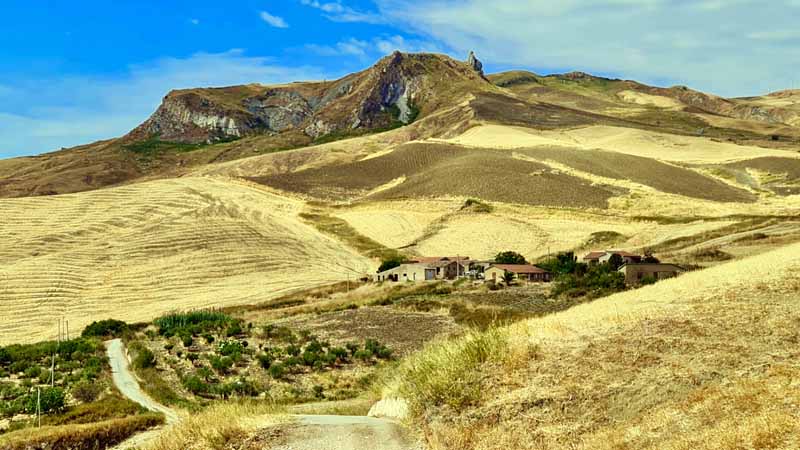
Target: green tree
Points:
(615, 261)
(508, 278)
(391, 262)
(509, 257)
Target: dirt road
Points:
(335, 433)
(126, 382)
(305, 432)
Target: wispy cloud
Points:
(729, 47)
(194, 21)
(273, 21)
(374, 48)
(338, 12)
(46, 114)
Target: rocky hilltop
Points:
(392, 92)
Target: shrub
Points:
(235, 329)
(105, 328)
(195, 385)
(292, 350)
(187, 340)
(33, 372)
(319, 391)
(209, 338)
(265, 360)
(277, 371)
(450, 373)
(221, 365)
(50, 399)
(477, 206)
(144, 359)
(230, 348)
(647, 280)
(86, 391)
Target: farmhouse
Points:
(427, 269)
(603, 256)
(522, 272)
(636, 272)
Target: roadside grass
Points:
(448, 373)
(104, 434)
(701, 362)
(214, 427)
(113, 406)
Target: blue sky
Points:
(75, 72)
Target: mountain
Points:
(412, 96)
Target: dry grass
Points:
(630, 141)
(434, 170)
(704, 361)
(217, 425)
(65, 437)
(136, 252)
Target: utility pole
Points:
(39, 405)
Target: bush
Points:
(86, 391)
(221, 365)
(195, 385)
(144, 359)
(277, 371)
(235, 329)
(265, 360)
(450, 373)
(51, 399)
(187, 340)
(209, 338)
(477, 206)
(230, 348)
(647, 280)
(105, 328)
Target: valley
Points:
(238, 231)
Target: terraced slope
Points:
(138, 251)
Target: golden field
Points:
(139, 251)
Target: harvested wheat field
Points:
(704, 361)
(432, 169)
(647, 144)
(138, 251)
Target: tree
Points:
(510, 257)
(649, 258)
(508, 278)
(391, 262)
(615, 261)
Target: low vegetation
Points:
(98, 435)
(214, 356)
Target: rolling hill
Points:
(232, 195)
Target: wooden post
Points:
(39, 405)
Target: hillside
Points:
(705, 361)
(195, 127)
(139, 251)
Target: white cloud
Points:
(47, 114)
(338, 12)
(273, 21)
(194, 21)
(374, 48)
(730, 47)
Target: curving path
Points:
(126, 382)
(305, 432)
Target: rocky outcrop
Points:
(475, 63)
(391, 92)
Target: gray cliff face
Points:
(376, 98)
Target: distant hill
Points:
(425, 95)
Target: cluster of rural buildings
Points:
(634, 267)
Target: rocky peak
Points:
(475, 63)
